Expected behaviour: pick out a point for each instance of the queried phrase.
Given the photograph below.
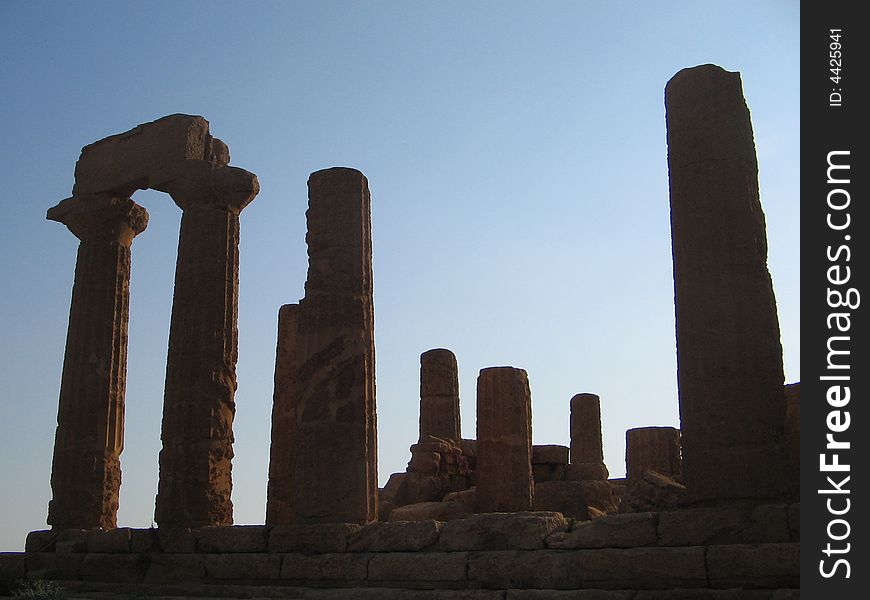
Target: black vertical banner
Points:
(835, 370)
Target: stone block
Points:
(42, 565)
(545, 569)
(238, 538)
(41, 541)
(543, 472)
(324, 567)
(501, 531)
(469, 447)
(794, 522)
(466, 497)
(425, 511)
(322, 538)
(175, 568)
(551, 454)
(400, 536)
(391, 491)
(642, 568)
(754, 566)
(586, 471)
(424, 462)
(610, 531)
(143, 540)
(112, 541)
(420, 487)
(599, 494)
(11, 571)
(566, 497)
(174, 540)
(114, 568)
(418, 567)
(242, 566)
(704, 526)
(737, 594)
(129, 161)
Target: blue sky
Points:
(517, 161)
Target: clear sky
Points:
(517, 161)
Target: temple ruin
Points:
(704, 510)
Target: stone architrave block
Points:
(325, 567)
(325, 538)
(642, 568)
(713, 526)
(512, 569)
(501, 531)
(551, 454)
(132, 160)
(114, 568)
(242, 566)
(238, 538)
(418, 567)
(754, 566)
(402, 536)
(175, 568)
(611, 531)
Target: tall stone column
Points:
(279, 492)
(86, 469)
(656, 448)
(196, 460)
(504, 441)
(587, 450)
(729, 354)
(439, 395)
(333, 453)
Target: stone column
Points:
(196, 460)
(729, 354)
(333, 454)
(587, 451)
(656, 448)
(279, 493)
(86, 469)
(504, 441)
(439, 395)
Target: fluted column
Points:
(656, 448)
(504, 441)
(439, 395)
(86, 470)
(333, 454)
(729, 356)
(587, 451)
(197, 433)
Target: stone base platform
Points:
(698, 553)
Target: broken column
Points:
(655, 448)
(196, 459)
(332, 455)
(86, 470)
(587, 452)
(504, 441)
(439, 395)
(729, 354)
(279, 492)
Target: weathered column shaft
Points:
(86, 470)
(196, 460)
(439, 395)
(729, 354)
(504, 441)
(656, 448)
(279, 494)
(334, 447)
(586, 446)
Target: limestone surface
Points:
(656, 448)
(439, 395)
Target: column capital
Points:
(204, 183)
(101, 217)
